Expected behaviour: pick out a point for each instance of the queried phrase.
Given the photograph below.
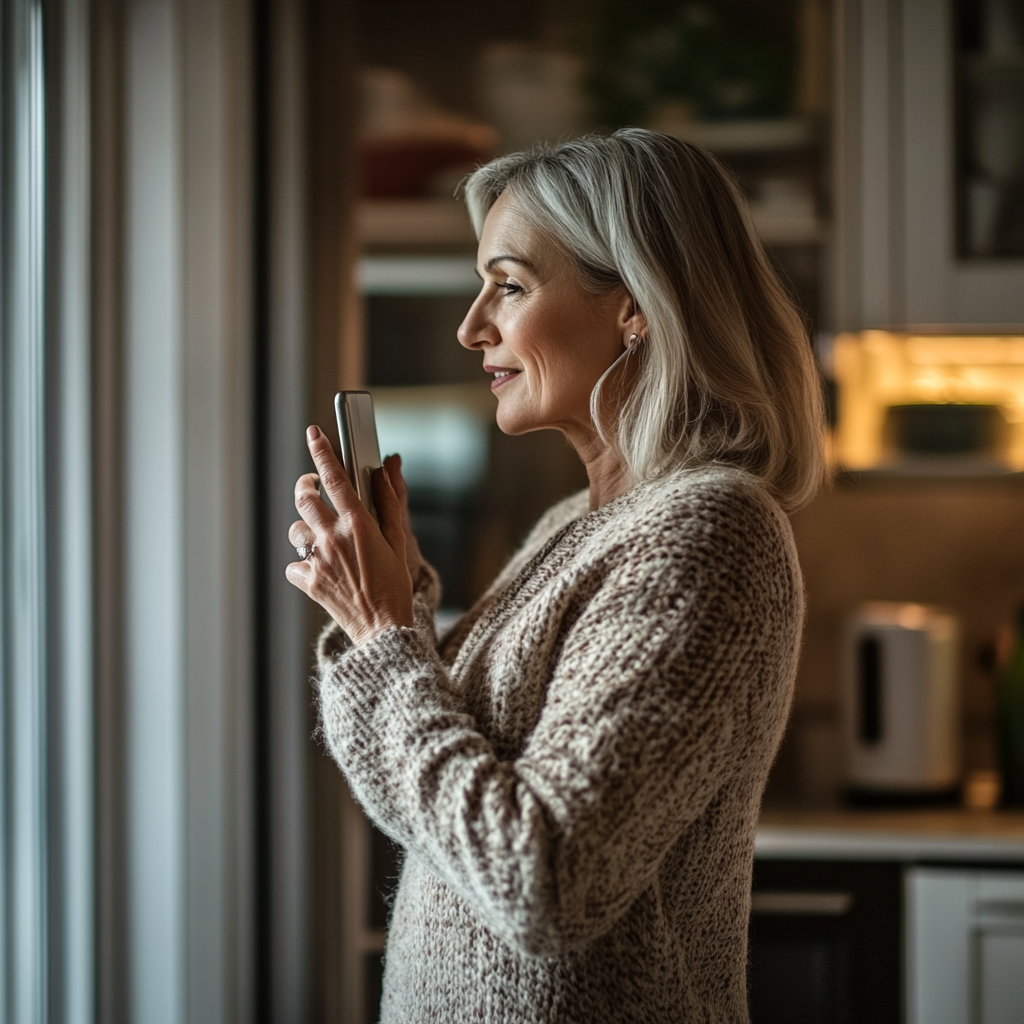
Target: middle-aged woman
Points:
(575, 769)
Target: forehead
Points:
(506, 223)
(507, 231)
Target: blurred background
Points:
(440, 91)
(216, 213)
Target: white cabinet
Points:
(896, 253)
(964, 937)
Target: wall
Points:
(959, 545)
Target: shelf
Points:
(413, 222)
(417, 275)
(944, 472)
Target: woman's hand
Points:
(359, 571)
(413, 558)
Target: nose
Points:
(476, 330)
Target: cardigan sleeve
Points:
(645, 719)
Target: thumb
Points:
(389, 511)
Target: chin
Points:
(513, 423)
(508, 425)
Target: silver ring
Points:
(305, 551)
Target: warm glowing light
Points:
(879, 369)
(912, 616)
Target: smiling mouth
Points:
(501, 376)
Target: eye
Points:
(509, 287)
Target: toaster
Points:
(900, 700)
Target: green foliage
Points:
(723, 58)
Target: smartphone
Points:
(360, 452)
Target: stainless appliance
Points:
(900, 700)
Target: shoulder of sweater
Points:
(709, 501)
(714, 484)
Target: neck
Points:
(608, 477)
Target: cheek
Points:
(530, 338)
(572, 361)
(550, 338)
(562, 349)
(556, 373)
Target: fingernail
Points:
(312, 433)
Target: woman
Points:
(575, 771)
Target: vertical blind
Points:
(46, 722)
(23, 555)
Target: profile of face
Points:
(545, 340)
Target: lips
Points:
(502, 375)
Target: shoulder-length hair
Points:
(725, 370)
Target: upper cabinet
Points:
(929, 163)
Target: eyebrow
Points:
(504, 258)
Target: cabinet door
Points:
(998, 960)
(825, 943)
(896, 253)
(964, 939)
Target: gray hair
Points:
(725, 370)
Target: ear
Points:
(631, 321)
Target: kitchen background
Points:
(442, 88)
(853, 130)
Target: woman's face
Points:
(545, 340)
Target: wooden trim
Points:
(107, 120)
(335, 361)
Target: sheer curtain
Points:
(126, 538)
(23, 519)
(46, 926)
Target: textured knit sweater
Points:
(575, 771)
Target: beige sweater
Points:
(576, 770)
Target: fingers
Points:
(393, 464)
(360, 570)
(309, 504)
(413, 557)
(300, 574)
(389, 511)
(332, 475)
(300, 535)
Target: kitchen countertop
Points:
(905, 835)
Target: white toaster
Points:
(900, 700)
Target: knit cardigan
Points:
(575, 771)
